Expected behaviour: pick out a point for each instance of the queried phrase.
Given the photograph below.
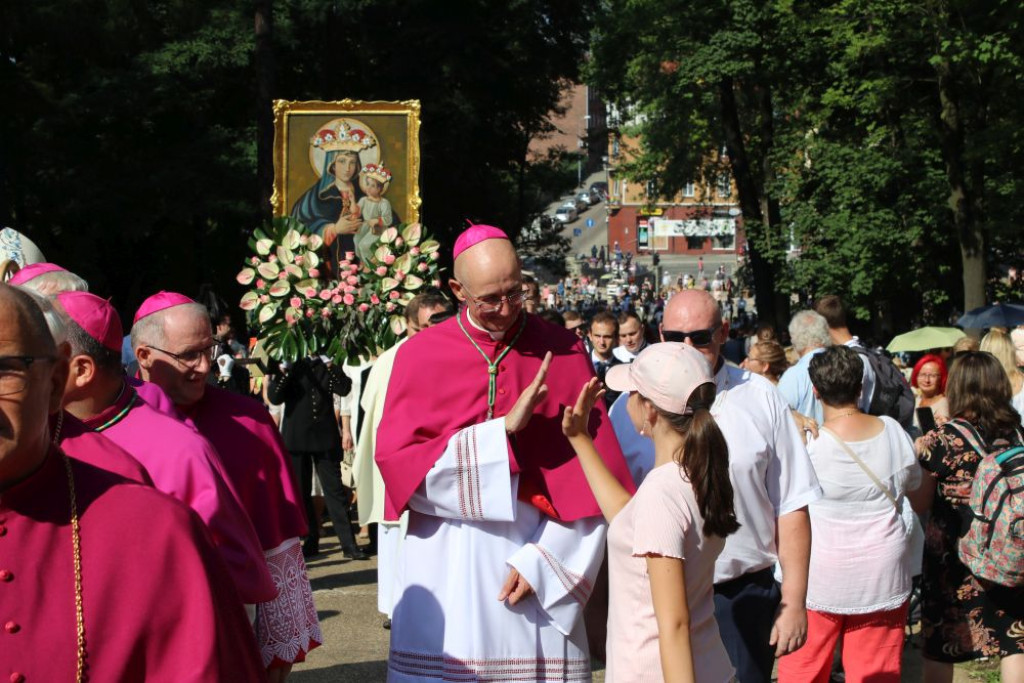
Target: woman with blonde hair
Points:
(999, 344)
(768, 359)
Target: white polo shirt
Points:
(769, 467)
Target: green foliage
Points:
(129, 132)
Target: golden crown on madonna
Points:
(343, 137)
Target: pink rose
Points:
(289, 318)
(325, 313)
(422, 267)
(260, 283)
(349, 255)
(349, 299)
(390, 307)
(399, 241)
(314, 272)
(255, 261)
(264, 298)
(363, 308)
(415, 251)
(399, 275)
(352, 280)
(382, 271)
(374, 299)
(389, 259)
(310, 292)
(325, 295)
(336, 299)
(345, 263)
(295, 302)
(310, 312)
(393, 295)
(349, 289)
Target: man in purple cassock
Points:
(101, 579)
(180, 462)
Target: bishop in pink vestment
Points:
(254, 460)
(82, 443)
(505, 538)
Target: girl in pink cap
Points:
(663, 542)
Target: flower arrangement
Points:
(356, 312)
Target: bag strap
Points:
(867, 470)
(970, 435)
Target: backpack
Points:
(992, 541)
(892, 396)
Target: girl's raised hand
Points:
(576, 418)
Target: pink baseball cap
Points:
(475, 234)
(665, 374)
(159, 302)
(94, 315)
(32, 271)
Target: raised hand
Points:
(528, 401)
(576, 418)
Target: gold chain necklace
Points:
(76, 553)
(846, 414)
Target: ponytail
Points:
(705, 461)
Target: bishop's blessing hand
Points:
(532, 395)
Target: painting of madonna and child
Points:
(347, 170)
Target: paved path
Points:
(356, 646)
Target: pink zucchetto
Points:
(32, 271)
(159, 302)
(475, 234)
(94, 315)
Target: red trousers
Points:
(872, 647)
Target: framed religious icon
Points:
(347, 170)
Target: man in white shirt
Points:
(773, 481)
(832, 309)
(631, 337)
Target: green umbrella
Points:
(926, 338)
(608, 276)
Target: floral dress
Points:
(962, 618)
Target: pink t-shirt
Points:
(662, 519)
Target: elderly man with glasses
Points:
(100, 577)
(774, 482)
(173, 342)
(504, 538)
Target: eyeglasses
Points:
(14, 372)
(191, 359)
(490, 304)
(929, 375)
(699, 338)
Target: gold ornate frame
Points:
(285, 113)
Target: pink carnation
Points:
(382, 271)
(352, 280)
(314, 272)
(374, 299)
(336, 299)
(389, 259)
(325, 295)
(310, 292)
(260, 283)
(295, 302)
(422, 267)
(393, 295)
(363, 308)
(349, 299)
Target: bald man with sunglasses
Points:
(774, 482)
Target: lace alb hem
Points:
(287, 627)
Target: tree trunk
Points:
(264, 63)
(750, 204)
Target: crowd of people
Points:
(757, 505)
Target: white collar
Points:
(496, 336)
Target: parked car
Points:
(600, 189)
(566, 213)
(583, 199)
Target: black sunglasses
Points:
(697, 337)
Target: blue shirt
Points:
(795, 386)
